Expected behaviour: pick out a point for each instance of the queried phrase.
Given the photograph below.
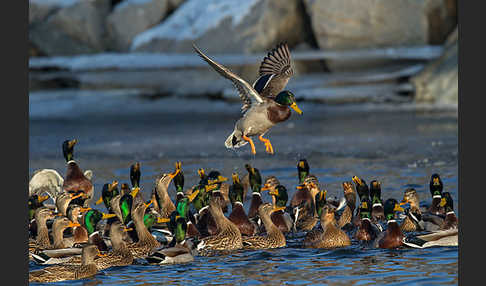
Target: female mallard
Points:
(69, 272)
(34, 202)
(146, 242)
(392, 237)
(80, 233)
(60, 224)
(350, 204)
(238, 215)
(63, 201)
(255, 180)
(330, 236)
(75, 180)
(164, 204)
(413, 220)
(436, 186)
(41, 216)
(377, 211)
(228, 237)
(215, 178)
(179, 253)
(367, 231)
(274, 237)
(279, 216)
(120, 254)
(272, 104)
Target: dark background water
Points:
(400, 145)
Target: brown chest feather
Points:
(278, 113)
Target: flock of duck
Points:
(77, 241)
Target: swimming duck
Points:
(60, 224)
(179, 182)
(330, 236)
(120, 254)
(436, 186)
(367, 231)
(90, 220)
(182, 210)
(165, 206)
(80, 234)
(302, 170)
(41, 216)
(75, 180)
(238, 215)
(350, 204)
(255, 180)
(361, 188)
(447, 237)
(228, 237)
(279, 194)
(69, 272)
(303, 204)
(63, 201)
(205, 223)
(377, 211)
(272, 104)
(274, 237)
(413, 220)
(392, 237)
(179, 253)
(146, 242)
(450, 220)
(122, 204)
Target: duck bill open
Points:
(296, 108)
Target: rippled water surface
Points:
(400, 147)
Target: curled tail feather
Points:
(235, 140)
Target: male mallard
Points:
(179, 182)
(447, 237)
(330, 236)
(108, 192)
(205, 222)
(303, 204)
(90, 220)
(392, 237)
(450, 220)
(135, 181)
(363, 193)
(377, 211)
(228, 237)
(215, 178)
(238, 215)
(255, 180)
(274, 237)
(182, 210)
(122, 204)
(279, 217)
(164, 204)
(436, 186)
(272, 104)
(69, 272)
(367, 231)
(179, 253)
(350, 204)
(75, 180)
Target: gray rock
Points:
(354, 24)
(220, 26)
(40, 9)
(132, 17)
(73, 29)
(438, 81)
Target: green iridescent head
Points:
(183, 207)
(126, 207)
(108, 192)
(281, 196)
(391, 206)
(179, 178)
(320, 199)
(302, 170)
(92, 217)
(180, 229)
(236, 190)
(365, 208)
(287, 98)
(202, 198)
(255, 178)
(68, 149)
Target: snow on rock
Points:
(224, 26)
(131, 17)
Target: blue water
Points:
(399, 148)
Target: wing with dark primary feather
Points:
(275, 71)
(245, 90)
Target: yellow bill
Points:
(296, 108)
(192, 196)
(99, 201)
(443, 202)
(398, 208)
(42, 198)
(276, 209)
(163, 220)
(107, 216)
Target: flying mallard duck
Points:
(272, 104)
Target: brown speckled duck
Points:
(75, 180)
(146, 242)
(120, 255)
(238, 215)
(350, 197)
(412, 221)
(164, 204)
(270, 105)
(228, 237)
(330, 236)
(69, 272)
(274, 237)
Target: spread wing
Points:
(277, 62)
(245, 90)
